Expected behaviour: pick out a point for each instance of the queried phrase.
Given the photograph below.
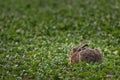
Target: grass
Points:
(36, 37)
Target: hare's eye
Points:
(86, 57)
(79, 49)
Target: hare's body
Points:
(85, 54)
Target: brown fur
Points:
(83, 53)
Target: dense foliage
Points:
(36, 37)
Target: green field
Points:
(36, 38)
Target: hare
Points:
(83, 53)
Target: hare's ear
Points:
(85, 45)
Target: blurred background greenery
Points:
(36, 37)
